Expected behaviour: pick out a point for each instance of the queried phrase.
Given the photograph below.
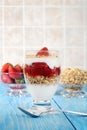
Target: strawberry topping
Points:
(41, 69)
(43, 52)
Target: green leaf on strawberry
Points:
(20, 81)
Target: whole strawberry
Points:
(14, 73)
(18, 68)
(5, 67)
(43, 52)
(6, 79)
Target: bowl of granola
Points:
(73, 82)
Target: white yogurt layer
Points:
(42, 92)
(50, 61)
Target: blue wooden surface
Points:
(75, 104)
(11, 118)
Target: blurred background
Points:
(60, 24)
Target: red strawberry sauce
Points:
(41, 69)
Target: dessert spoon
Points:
(39, 113)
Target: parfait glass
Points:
(41, 74)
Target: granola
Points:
(73, 76)
(42, 80)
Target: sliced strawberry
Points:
(37, 65)
(43, 52)
(6, 79)
(5, 67)
(38, 69)
(48, 72)
(13, 73)
(57, 70)
(41, 69)
(12, 69)
(19, 68)
(26, 69)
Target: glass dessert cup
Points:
(41, 74)
(14, 83)
(73, 90)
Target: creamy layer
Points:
(51, 61)
(42, 92)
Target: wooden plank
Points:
(75, 104)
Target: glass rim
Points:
(35, 52)
(11, 72)
(56, 50)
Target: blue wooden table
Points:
(11, 118)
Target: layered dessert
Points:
(42, 70)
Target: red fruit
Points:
(5, 67)
(39, 64)
(38, 69)
(6, 79)
(13, 73)
(12, 69)
(57, 70)
(48, 72)
(43, 52)
(41, 69)
(19, 68)
(26, 69)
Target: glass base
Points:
(16, 92)
(41, 106)
(69, 94)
